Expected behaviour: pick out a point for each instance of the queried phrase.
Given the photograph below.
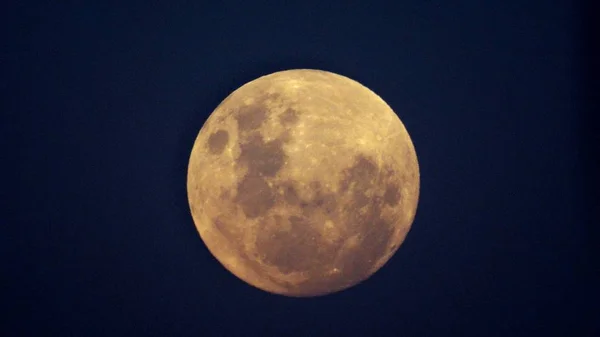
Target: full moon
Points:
(303, 183)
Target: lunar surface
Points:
(303, 183)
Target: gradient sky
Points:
(103, 103)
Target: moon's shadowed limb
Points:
(303, 183)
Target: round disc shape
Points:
(303, 183)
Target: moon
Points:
(303, 183)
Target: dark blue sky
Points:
(103, 102)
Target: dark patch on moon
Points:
(360, 176)
(392, 194)
(225, 230)
(364, 218)
(290, 195)
(299, 249)
(327, 202)
(251, 117)
(217, 142)
(260, 157)
(288, 117)
(225, 194)
(376, 234)
(255, 196)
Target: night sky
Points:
(101, 104)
